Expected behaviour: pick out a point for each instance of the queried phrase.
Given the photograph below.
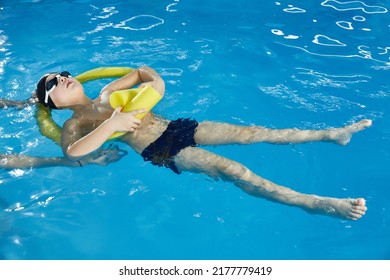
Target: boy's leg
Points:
(214, 133)
(201, 161)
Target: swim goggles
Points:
(51, 85)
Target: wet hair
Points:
(41, 92)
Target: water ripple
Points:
(3, 50)
(354, 5)
(106, 13)
(281, 33)
(170, 8)
(315, 102)
(326, 41)
(345, 24)
(362, 54)
(135, 23)
(324, 79)
(314, 79)
(294, 10)
(44, 198)
(337, 44)
(359, 18)
(140, 22)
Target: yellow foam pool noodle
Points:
(133, 99)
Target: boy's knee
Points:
(234, 171)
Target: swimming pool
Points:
(306, 64)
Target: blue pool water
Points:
(305, 64)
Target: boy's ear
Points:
(34, 97)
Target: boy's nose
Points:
(62, 79)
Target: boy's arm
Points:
(11, 161)
(18, 104)
(142, 75)
(101, 157)
(75, 145)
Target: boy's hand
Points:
(126, 121)
(104, 156)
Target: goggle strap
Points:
(48, 93)
(58, 76)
